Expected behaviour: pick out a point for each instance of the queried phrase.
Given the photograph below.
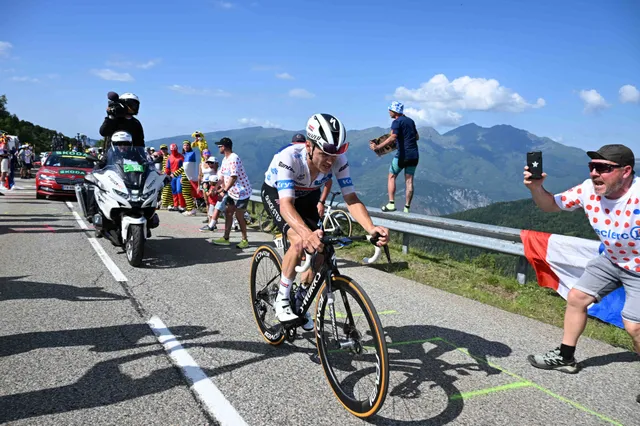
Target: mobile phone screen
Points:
(534, 161)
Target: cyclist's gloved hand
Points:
(382, 233)
(311, 243)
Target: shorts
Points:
(409, 166)
(222, 203)
(240, 204)
(306, 206)
(211, 210)
(5, 165)
(601, 277)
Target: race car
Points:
(60, 173)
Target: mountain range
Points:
(467, 167)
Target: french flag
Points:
(559, 261)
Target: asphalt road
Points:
(76, 347)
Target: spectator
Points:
(609, 198)
(405, 134)
(234, 183)
(210, 191)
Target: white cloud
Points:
(130, 64)
(107, 74)
(593, 101)
(301, 93)
(5, 47)
(224, 4)
(438, 100)
(284, 76)
(8, 70)
(25, 79)
(557, 139)
(257, 122)
(53, 76)
(188, 90)
(434, 117)
(629, 94)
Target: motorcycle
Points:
(126, 193)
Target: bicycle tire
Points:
(368, 406)
(273, 335)
(343, 220)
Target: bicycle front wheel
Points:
(352, 347)
(264, 282)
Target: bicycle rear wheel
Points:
(265, 222)
(356, 364)
(266, 266)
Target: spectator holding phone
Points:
(611, 201)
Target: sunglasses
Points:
(330, 149)
(603, 167)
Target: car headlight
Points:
(121, 194)
(48, 178)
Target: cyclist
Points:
(291, 191)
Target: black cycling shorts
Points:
(307, 208)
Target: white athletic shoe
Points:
(283, 309)
(308, 326)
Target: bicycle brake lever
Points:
(386, 251)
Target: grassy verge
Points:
(486, 286)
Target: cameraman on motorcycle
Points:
(121, 111)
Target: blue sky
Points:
(553, 68)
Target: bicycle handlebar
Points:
(333, 240)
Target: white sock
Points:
(212, 223)
(285, 287)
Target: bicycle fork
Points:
(349, 343)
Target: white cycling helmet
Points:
(121, 138)
(132, 103)
(328, 133)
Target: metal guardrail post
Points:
(521, 270)
(405, 243)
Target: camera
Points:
(116, 108)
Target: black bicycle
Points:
(349, 336)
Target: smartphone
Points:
(534, 161)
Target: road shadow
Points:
(416, 364)
(107, 382)
(13, 288)
(165, 252)
(100, 339)
(602, 360)
(38, 229)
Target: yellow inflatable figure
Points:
(199, 142)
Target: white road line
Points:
(111, 266)
(214, 401)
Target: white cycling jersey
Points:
(289, 173)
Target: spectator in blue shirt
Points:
(405, 134)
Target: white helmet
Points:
(328, 133)
(132, 103)
(121, 138)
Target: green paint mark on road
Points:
(520, 379)
(467, 395)
(341, 315)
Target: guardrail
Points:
(489, 237)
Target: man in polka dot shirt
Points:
(235, 189)
(611, 201)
